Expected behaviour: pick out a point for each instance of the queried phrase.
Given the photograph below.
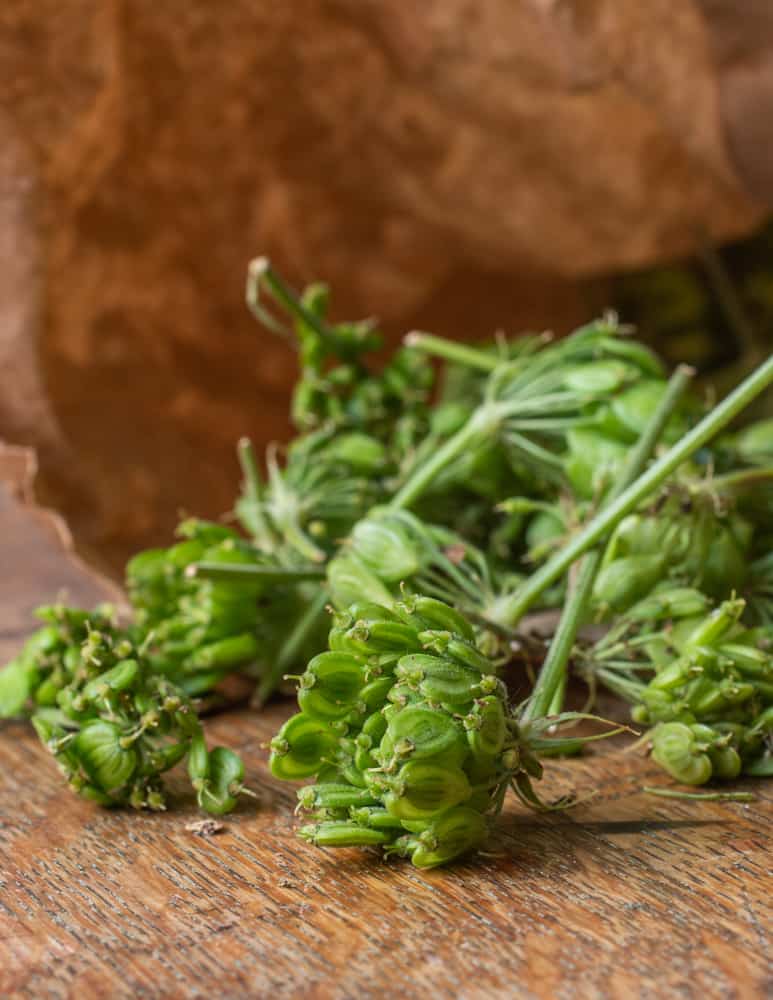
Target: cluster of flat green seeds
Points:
(710, 699)
(404, 727)
(113, 725)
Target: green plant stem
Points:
(253, 488)
(484, 422)
(670, 793)
(450, 350)
(249, 466)
(260, 272)
(741, 479)
(551, 675)
(290, 648)
(236, 572)
(551, 682)
(511, 609)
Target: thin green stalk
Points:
(740, 479)
(253, 487)
(552, 677)
(450, 350)
(483, 423)
(249, 466)
(245, 572)
(261, 271)
(291, 648)
(672, 793)
(512, 608)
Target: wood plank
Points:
(624, 896)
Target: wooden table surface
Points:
(626, 895)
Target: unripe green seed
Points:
(343, 833)
(421, 790)
(419, 732)
(105, 761)
(331, 795)
(300, 746)
(673, 747)
(454, 833)
(486, 727)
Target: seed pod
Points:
(224, 654)
(198, 760)
(634, 407)
(300, 746)
(343, 833)
(486, 727)
(158, 760)
(399, 696)
(376, 817)
(593, 461)
(672, 677)
(360, 452)
(418, 732)
(17, 682)
(330, 795)
(454, 833)
(704, 697)
(763, 724)
(714, 626)
(118, 678)
(674, 602)
(350, 580)
(750, 661)
(674, 748)
(223, 784)
(440, 681)
(102, 756)
(422, 790)
(383, 636)
(434, 614)
(626, 580)
(452, 647)
(386, 547)
(371, 698)
(93, 794)
(659, 706)
(735, 692)
(331, 685)
(545, 529)
(725, 762)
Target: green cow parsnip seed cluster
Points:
(407, 732)
(113, 724)
(709, 696)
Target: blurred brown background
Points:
(459, 165)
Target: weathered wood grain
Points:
(625, 896)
